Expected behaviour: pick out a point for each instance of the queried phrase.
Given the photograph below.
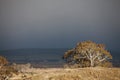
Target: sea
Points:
(44, 57)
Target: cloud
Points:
(25, 22)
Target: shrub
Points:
(106, 64)
(3, 61)
(6, 70)
(21, 67)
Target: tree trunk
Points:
(92, 63)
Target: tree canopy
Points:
(87, 54)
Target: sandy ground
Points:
(97, 73)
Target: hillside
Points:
(97, 73)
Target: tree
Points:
(87, 54)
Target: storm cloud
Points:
(58, 23)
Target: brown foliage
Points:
(5, 69)
(6, 72)
(87, 54)
(3, 61)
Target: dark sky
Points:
(58, 23)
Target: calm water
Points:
(42, 56)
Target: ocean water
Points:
(37, 57)
(43, 57)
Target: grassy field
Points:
(96, 73)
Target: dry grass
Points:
(97, 73)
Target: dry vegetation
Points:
(86, 54)
(26, 72)
(97, 73)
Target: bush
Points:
(3, 61)
(106, 64)
(6, 70)
(21, 67)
